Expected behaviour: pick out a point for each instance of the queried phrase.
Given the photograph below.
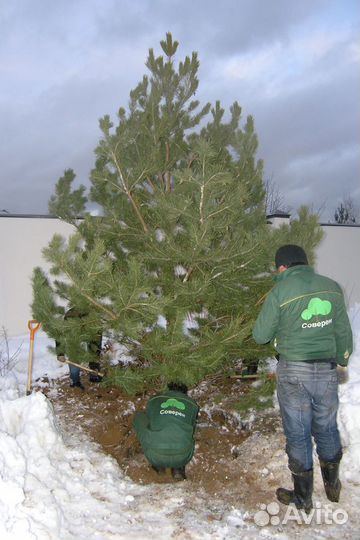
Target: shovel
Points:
(96, 372)
(33, 326)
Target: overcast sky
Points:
(293, 65)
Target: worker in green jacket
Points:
(305, 317)
(166, 430)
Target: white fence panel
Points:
(22, 239)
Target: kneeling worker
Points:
(166, 430)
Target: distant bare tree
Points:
(347, 212)
(317, 209)
(274, 199)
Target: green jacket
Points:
(166, 432)
(305, 315)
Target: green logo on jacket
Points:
(316, 307)
(172, 402)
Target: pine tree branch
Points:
(218, 211)
(188, 274)
(130, 307)
(201, 203)
(191, 161)
(151, 183)
(261, 299)
(167, 173)
(216, 275)
(231, 337)
(128, 193)
(202, 197)
(89, 298)
(161, 182)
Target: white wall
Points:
(21, 241)
(23, 238)
(338, 257)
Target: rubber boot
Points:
(302, 492)
(178, 473)
(92, 376)
(77, 384)
(332, 484)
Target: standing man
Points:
(305, 316)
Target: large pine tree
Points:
(177, 263)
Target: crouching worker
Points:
(166, 430)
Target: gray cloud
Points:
(311, 143)
(293, 65)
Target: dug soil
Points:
(239, 458)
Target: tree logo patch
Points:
(172, 402)
(316, 307)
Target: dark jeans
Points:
(94, 346)
(308, 399)
(74, 374)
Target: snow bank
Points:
(28, 442)
(349, 410)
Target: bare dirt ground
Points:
(238, 458)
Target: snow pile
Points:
(50, 489)
(28, 442)
(349, 410)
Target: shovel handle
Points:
(65, 361)
(33, 326)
